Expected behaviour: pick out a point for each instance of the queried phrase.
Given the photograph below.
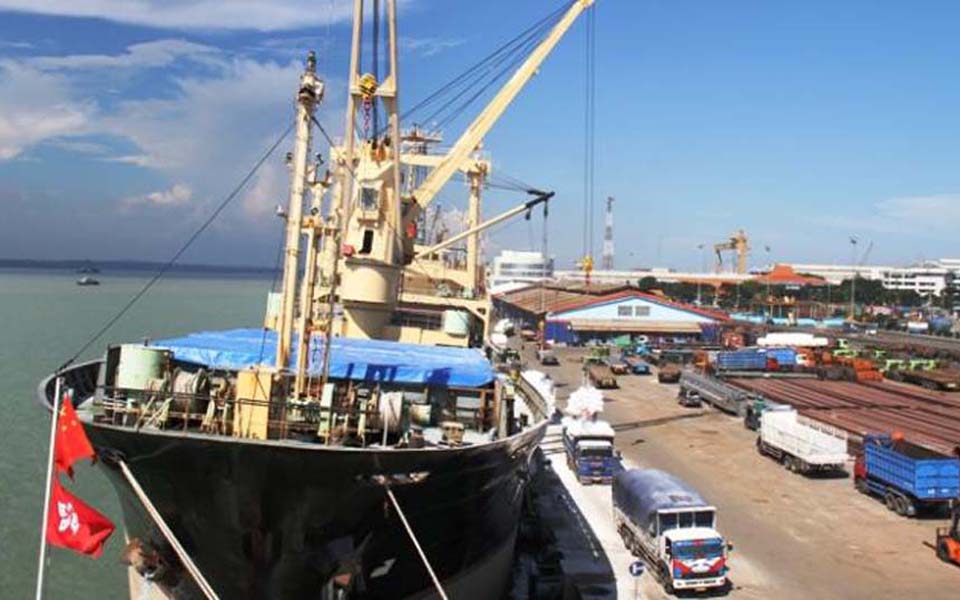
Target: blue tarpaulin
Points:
(350, 358)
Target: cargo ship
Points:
(360, 444)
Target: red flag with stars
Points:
(73, 525)
(71, 443)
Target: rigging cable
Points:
(464, 77)
(169, 264)
(519, 56)
(589, 143)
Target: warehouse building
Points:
(573, 313)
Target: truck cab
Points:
(590, 452)
(697, 557)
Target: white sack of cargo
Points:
(498, 341)
(801, 443)
(585, 402)
(792, 339)
(585, 428)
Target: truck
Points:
(668, 373)
(638, 366)
(713, 391)
(909, 478)
(755, 407)
(600, 375)
(932, 379)
(802, 445)
(747, 359)
(668, 523)
(591, 455)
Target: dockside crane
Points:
(739, 243)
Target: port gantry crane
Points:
(361, 245)
(738, 242)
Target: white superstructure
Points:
(512, 266)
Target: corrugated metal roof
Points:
(633, 326)
(559, 297)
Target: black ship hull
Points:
(287, 520)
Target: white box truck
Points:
(667, 523)
(801, 444)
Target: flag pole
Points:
(46, 493)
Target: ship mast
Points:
(309, 96)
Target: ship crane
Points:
(739, 243)
(376, 219)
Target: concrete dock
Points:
(794, 537)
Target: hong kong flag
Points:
(71, 443)
(73, 525)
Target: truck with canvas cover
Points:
(669, 524)
(908, 477)
(802, 445)
(600, 375)
(591, 455)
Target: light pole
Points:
(853, 279)
(703, 270)
(770, 272)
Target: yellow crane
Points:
(739, 243)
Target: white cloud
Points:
(263, 15)
(211, 122)
(177, 195)
(929, 216)
(35, 106)
(15, 44)
(156, 53)
(430, 46)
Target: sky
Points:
(124, 123)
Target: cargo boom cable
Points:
(169, 264)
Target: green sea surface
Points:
(44, 319)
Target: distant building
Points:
(574, 313)
(929, 278)
(511, 267)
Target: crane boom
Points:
(482, 124)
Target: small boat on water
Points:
(88, 281)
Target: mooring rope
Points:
(168, 533)
(416, 544)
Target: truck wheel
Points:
(890, 501)
(760, 447)
(861, 485)
(943, 553)
(900, 505)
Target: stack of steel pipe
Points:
(928, 418)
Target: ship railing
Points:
(360, 423)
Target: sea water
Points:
(44, 319)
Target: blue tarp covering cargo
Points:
(742, 360)
(366, 360)
(640, 493)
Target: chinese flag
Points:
(71, 442)
(73, 525)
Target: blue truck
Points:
(757, 359)
(907, 477)
(591, 455)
